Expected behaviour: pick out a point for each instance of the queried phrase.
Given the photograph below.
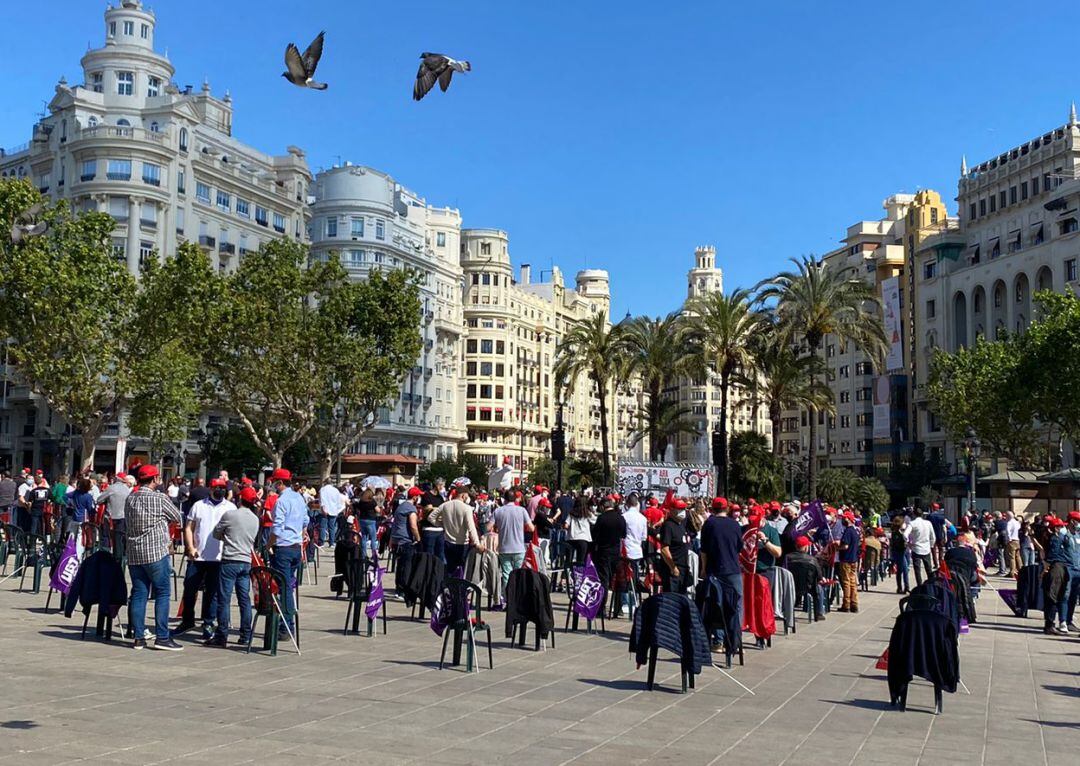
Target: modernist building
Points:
(702, 397)
(514, 330)
(163, 161)
(373, 222)
(1018, 232)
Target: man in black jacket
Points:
(806, 571)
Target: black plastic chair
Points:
(266, 605)
(464, 602)
(14, 545)
(37, 557)
(360, 577)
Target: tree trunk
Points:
(654, 417)
(774, 418)
(326, 466)
(602, 388)
(725, 376)
(89, 436)
(811, 464)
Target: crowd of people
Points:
(637, 543)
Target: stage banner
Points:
(890, 299)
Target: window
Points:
(243, 208)
(486, 346)
(356, 257)
(993, 203)
(1070, 270)
(971, 211)
(929, 270)
(279, 222)
(379, 257)
(845, 397)
(183, 139)
(97, 83)
(485, 392)
(202, 192)
(331, 227)
(499, 392)
(440, 239)
(470, 391)
(380, 229)
(982, 207)
(485, 413)
(145, 31)
(119, 170)
(151, 174)
(112, 29)
(995, 251)
(125, 83)
(485, 248)
(89, 170)
(830, 350)
(260, 215)
(845, 371)
(476, 279)
(1068, 226)
(181, 182)
(357, 227)
(862, 445)
(864, 419)
(129, 28)
(864, 368)
(470, 346)
(500, 347)
(1001, 199)
(1012, 195)
(485, 279)
(118, 208)
(179, 220)
(146, 252)
(485, 368)
(845, 421)
(1034, 186)
(224, 201)
(930, 309)
(1024, 190)
(153, 87)
(500, 370)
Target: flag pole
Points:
(733, 678)
(14, 573)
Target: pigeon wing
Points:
(16, 234)
(38, 229)
(294, 64)
(444, 78)
(31, 213)
(425, 80)
(313, 54)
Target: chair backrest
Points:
(263, 582)
(15, 536)
(920, 602)
(464, 599)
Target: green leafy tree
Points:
(869, 494)
(986, 387)
(1051, 376)
(654, 352)
(591, 350)
(373, 341)
(83, 333)
(816, 300)
(544, 471)
(585, 471)
(719, 331)
(232, 449)
(667, 421)
(447, 469)
(755, 471)
(835, 485)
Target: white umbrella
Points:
(375, 482)
(461, 481)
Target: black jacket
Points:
(924, 644)
(1029, 592)
(670, 621)
(425, 581)
(99, 582)
(720, 606)
(805, 571)
(937, 587)
(528, 599)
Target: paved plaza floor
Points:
(817, 698)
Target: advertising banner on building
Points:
(890, 299)
(882, 402)
(689, 480)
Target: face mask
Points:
(830, 519)
(217, 493)
(680, 515)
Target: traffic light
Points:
(717, 449)
(558, 444)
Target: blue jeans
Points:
(1072, 596)
(201, 575)
(433, 542)
(558, 536)
(238, 574)
(287, 564)
(327, 529)
(1027, 557)
(508, 562)
(901, 572)
(145, 577)
(456, 556)
(369, 535)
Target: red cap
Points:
(39, 472)
(414, 492)
(249, 495)
(653, 502)
(736, 507)
(507, 461)
(719, 503)
(802, 541)
(247, 482)
(281, 474)
(1054, 521)
(538, 488)
(774, 505)
(849, 515)
(218, 483)
(678, 504)
(146, 472)
(121, 475)
(935, 506)
(545, 503)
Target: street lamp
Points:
(972, 447)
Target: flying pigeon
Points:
(300, 69)
(24, 226)
(436, 66)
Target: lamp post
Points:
(972, 447)
(64, 442)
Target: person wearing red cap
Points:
(1072, 531)
(674, 564)
(286, 537)
(203, 552)
(721, 541)
(807, 573)
(147, 515)
(405, 537)
(236, 530)
(114, 498)
(849, 564)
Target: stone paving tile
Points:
(818, 698)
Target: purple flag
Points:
(66, 569)
(964, 628)
(1009, 597)
(588, 590)
(811, 518)
(375, 595)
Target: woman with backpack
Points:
(898, 553)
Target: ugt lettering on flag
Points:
(588, 590)
(812, 517)
(64, 574)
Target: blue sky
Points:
(617, 135)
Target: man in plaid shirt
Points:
(147, 514)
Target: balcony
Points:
(206, 241)
(427, 402)
(417, 370)
(262, 222)
(122, 133)
(279, 229)
(87, 177)
(119, 176)
(428, 316)
(151, 181)
(147, 223)
(227, 249)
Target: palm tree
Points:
(718, 332)
(815, 300)
(667, 421)
(783, 380)
(653, 352)
(592, 349)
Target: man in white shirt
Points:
(921, 539)
(331, 503)
(637, 529)
(203, 552)
(1012, 545)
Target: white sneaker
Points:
(1061, 630)
(148, 634)
(1063, 627)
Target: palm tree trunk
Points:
(654, 417)
(774, 418)
(723, 466)
(602, 388)
(811, 464)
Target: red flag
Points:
(883, 660)
(530, 561)
(943, 570)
